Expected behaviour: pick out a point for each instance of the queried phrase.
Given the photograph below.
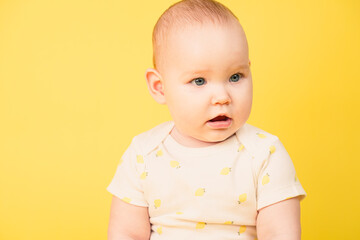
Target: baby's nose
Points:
(220, 96)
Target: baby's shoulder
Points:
(255, 139)
(147, 141)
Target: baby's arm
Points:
(128, 222)
(280, 221)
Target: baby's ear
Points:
(155, 85)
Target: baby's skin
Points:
(205, 80)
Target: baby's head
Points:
(201, 71)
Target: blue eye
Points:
(198, 81)
(235, 78)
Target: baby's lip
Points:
(220, 117)
(221, 121)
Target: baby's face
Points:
(207, 82)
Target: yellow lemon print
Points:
(120, 162)
(179, 213)
(126, 199)
(200, 225)
(143, 175)
(229, 222)
(295, 178)
(159, 230)
(272, 149)
(242, 198)
(159, 153)
(225, 171)
(139, 159)
(157, 203)
(242, 229)
(174, 164)
(241, 147)
(260, 135)
(200, 192)
(265, 179)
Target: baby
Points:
(207, 174)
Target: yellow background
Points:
(73, 94)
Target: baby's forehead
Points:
(203, 48)
(176, 31)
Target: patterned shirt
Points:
(207, 193)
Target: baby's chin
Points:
(203, 138)
(218, 139)
(212, 139)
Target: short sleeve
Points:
(277, 178)
(126, 183)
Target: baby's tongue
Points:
(218, 118)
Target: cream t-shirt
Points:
(207, 193)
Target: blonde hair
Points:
(184, 13)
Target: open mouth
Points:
(220, 122)
(219, 118)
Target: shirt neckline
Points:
(171, 145)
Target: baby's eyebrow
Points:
(205, 71)
(242, 66)
(195, 73)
